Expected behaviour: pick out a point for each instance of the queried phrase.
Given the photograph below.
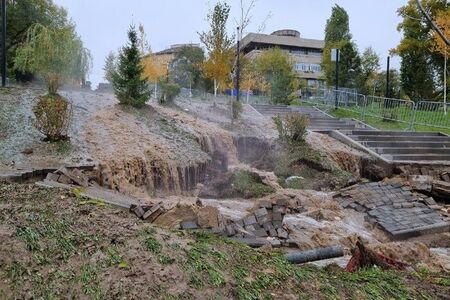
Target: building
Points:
(162, 60)
(306, 53)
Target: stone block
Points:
(250, 228)
(188, 225)
(262, 220)
(230, 230)
(260, 233)
(249, 220)
(273, 233)
(266, 204)
(276, 243)
(282, 202)
(268, 226)
(138, 211)
(279, 209)
(277, 224)
(282, 233)
(52, 177)
(277, 216)
(262, 212)
(407, 205)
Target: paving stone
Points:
(277, 224)
(273, 233)
(276, 216)
(268, 226)
(262, 220)
(262, 212)
(250, 228)
(188, 225)
(266, 204)
(260, 233)
(282, 233)
(407, 205)
(250, 220)
(279, 209)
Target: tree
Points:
(21, 15)
(337, 35)
(419, 62)
(187, 67)
(110, 66)
(379, 84)
(144, 46)
(129, 85)
(55, 54)
(370, 64)
(443, 22)
(58, 56)
(219, 47)
(279, 74)
(337, 27)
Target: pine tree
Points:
(129, 85)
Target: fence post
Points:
(413, 119)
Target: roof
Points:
(281, 41)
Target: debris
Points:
(28, 151)
(188, 225)
(364, 258)
(314, 254)
(152, 213)
(75, 175)
(208, 217)
(420, 182)
(441, 189)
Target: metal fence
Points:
(422, 113)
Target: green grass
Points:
(56, 257)
(249, 185)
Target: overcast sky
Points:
(102, 24)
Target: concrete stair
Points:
(318, 120)
(404, 146)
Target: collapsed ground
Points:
(55, 245)
(189, 155)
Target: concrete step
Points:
(416, 150)
(396, 133)
(400, 138)
(419, 157)
(404, 144)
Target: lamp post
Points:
(3, 43)
(238, 65)
(335, 57)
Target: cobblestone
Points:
(395, 209)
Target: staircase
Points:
(318, 120)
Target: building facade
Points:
(305, 53)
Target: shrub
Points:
(292, 127)
(237, 109)
(169, 91)
(53, 115)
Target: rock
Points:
(277, 216)
(266, 204)
(64, 179)
(230, 230)
(273, 233)
(260, 233)
(262, 212)
(293, 179)
(268, 226)
(28, 151)
(279, 209)
(208, 217)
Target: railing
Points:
(435, 114)
(423, 113)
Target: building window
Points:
(304, 67)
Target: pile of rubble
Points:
(265, 223)
(433, 180)
(147, 212)
(394, 208)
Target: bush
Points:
(53, 115)
(169, 91)
(292, 127)
(237, 109)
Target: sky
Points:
(102, 24)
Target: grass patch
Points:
(249, 185)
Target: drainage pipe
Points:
(314, 255)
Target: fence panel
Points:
(391, 109)
(434, 114)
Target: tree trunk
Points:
(215, 88)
